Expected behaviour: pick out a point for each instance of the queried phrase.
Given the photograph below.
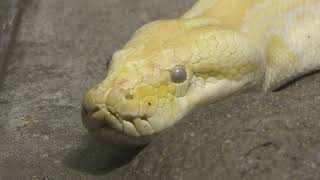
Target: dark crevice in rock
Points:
(11, 13)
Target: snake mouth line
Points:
(101, 118)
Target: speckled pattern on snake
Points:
(216, 49)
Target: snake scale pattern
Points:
(216, 49)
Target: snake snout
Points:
(92, 118)
(97, 116)
(120, 112)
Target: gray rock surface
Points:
(61, 50)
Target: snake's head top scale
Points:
(165, 70)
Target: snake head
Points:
(165, 70)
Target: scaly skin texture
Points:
(225, 46)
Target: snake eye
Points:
(178, 74)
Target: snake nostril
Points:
(95, 109)
(129, 96)
(144, 118)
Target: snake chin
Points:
(114, 137)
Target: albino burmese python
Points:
(216, 49)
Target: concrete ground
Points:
(61, 50)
